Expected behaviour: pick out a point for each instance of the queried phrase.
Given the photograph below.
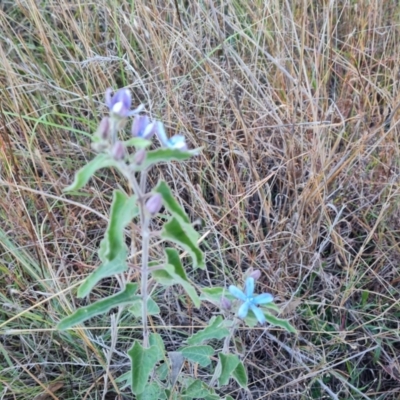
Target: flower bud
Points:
(256, 274)
(139, 125)
(103, 131)
(118, 151)
(139, 157)
(154, 204)
(226, 303)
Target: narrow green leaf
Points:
(184, 235)
(189, 289)
(166, 155)
(240, 375)
(174, 259)
(215, 330)
(198, 354)
(272, 306)
(85, 173)
(151, 392)
(100, 307)
(138, 143)
(282, 323)
(152, 307)
(143, 362)
(214, 294)
(104, 270)
(229, 362)
(113, 250)
(170, 202)
(123, 210)
(173, 273)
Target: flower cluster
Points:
(120, 105)
(251, 301)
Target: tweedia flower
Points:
(120, 104)
(175, 142)
(250, 301)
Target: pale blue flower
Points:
(250, 301)
(175, 142)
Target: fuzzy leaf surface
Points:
(215, 330)
(183, 234)
(85, 173)
(198, 354)
(143, 362)
(100, 307)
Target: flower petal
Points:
(263, 298)
(258, 313)
(237, 293)
(160, 132)
(249, 286)
(243, 310)
(177, 142)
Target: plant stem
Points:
(145, 231)
(145, 274)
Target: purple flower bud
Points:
(154, 204)
(120, 103)
(139, 125)
(139, 157)
(118, 151)
(103, 131)
(226, 303)
(142, 127)
(256, 274)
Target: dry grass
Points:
(295, 104)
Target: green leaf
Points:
(271, 306)
(156, 340)
(143, 362)
(85, 173)
(151, 392)
(100, 307)
(229, 362)
(282, 323)
(116, 266)
(198, 354)
(196, 389)
(137, 142)
(184, 235)
(152, 307)
(215, 330)
(166, 155)
(123, 210)
(214, 294)
(169, 201)
(162, 371)
(173, 273)
(113, 250)
(240, 375)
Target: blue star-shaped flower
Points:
(250, 301)
(175, 142)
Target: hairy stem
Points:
(145, 231)
(145, 275)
